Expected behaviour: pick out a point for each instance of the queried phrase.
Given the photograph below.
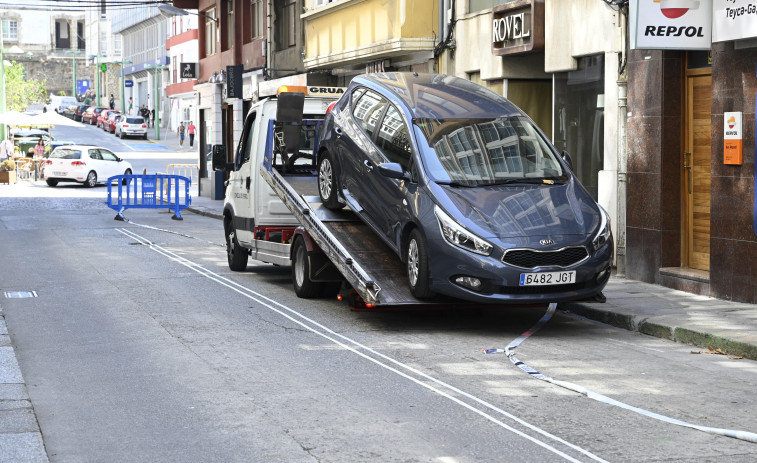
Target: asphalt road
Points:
(141, 346)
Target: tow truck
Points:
(273, 214)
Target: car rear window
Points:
(135, 120)
(66, 154)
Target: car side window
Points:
(246, 144)
(95, 154)
(368, 110)
(108, 156)
(356, 96)
(393, 138)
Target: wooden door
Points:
(697, 172)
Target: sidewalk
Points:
(654, 310)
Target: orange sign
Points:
(732, 134)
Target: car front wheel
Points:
(235, 254)
(327, 184)
(417, 266)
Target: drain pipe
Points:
(620, 241)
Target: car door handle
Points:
(368, 165)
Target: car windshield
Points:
(134, 120)
(480, 152)
(66, 154)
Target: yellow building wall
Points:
(361, 30)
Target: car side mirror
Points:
(219, 159)
(393, 170)
(568, 160)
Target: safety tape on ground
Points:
(736, 434)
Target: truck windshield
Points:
(480, 152)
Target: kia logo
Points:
(546, 242)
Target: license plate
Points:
(547, 278)
(59, 174)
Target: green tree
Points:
(21, 92)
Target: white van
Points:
(59, 103)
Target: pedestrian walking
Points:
(180, 133)
(6, 149)
(131, 105)
(152, 116)
(191, 129)
(112, 102)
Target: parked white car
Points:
(85, 164)
(131, 126)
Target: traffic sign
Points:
(128, 83)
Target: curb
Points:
(213, 215)
(671, 333)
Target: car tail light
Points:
(49, 162)
(144, 126)
(78, 163)
(331, 106)
(126, 126)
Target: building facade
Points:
(690, 203)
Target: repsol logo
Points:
(673, 31)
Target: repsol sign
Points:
(518, 27)
(674, 31)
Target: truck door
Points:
(240, 182)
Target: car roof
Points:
(440, 96)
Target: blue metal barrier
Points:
(149, 192)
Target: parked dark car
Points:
(91, 114)
(465, 188)
(80, 112)
(70, 111)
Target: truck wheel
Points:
(417, 266)
(235, 254)
(304, 287)
(327, 185)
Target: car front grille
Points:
(530, 258)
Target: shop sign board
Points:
(734, 20)
(732, 135)
(671, 24)
(518, 27)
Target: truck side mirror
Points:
(568, 160)
(219, 157)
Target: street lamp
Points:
(156, 123)
(123, 86)
(74, 53)
(97, 82)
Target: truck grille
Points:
(530, 258)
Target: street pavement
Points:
(710, 326)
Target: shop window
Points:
(579, 118)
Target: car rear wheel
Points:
(417, 266)
(91, 180)
(235, 254)
(327, 185)
(51, 182)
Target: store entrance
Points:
(696, 170)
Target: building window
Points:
(579, 118)
(286, 19)
(229, 42)
(256, 18)
(481, 5)
(10, 30)
(210, 32)
(322, 2)
(117, 40)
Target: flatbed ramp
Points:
(367, 263)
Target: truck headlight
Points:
(456, 235)
(604, 233)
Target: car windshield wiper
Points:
(454, 184)
(528, 181)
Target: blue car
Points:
(465, 188)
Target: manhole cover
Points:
(20, 294)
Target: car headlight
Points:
(455, 234)
(604, 233)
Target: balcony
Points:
(354, 32)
